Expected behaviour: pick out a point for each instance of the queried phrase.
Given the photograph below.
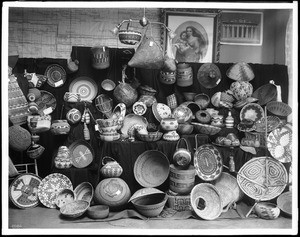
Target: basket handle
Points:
(186, 143)
(106, 159)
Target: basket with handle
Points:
(182, 155)
(111, 168)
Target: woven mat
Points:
(238, 212)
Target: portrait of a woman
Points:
(191, 43)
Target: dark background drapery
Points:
(119, 57)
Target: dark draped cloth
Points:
(125, 152)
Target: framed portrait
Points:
(241, 28)
(197, 35)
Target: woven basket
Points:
(19, 138)
(35, 151)
(179, 202)
(100, 57)
(167, 77)
(184, 77)
(182, 180)
(17, 103)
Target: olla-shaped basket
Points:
(110, 167)
(113, 192)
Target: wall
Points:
(273, 47)
(48, 32)
(38, 33)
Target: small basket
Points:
(179, 202)
(100, 57)
(104, 104)
(202, 99)
(35, 151)
(172, 101)
(167, 77)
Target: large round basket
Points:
(206, 201)
(208, 162)
(23, 190)
(262, 178)
(47, 194)
(151, 169)
(113, 192)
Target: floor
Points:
(34, 220)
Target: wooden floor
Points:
(37, 220)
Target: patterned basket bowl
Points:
(206, 128)
(35, 151)
(202, 99)
(84, 191)
(267, 210)
(150, 137)
(130, 37)
(64, 197)
(74, 209)
(107, 122)
(279, 108)
(150, 205)
(98, 211)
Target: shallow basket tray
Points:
(206, 128)
(74, 209)
(279, 108)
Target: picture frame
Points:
(204, 26)
(242, 28)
